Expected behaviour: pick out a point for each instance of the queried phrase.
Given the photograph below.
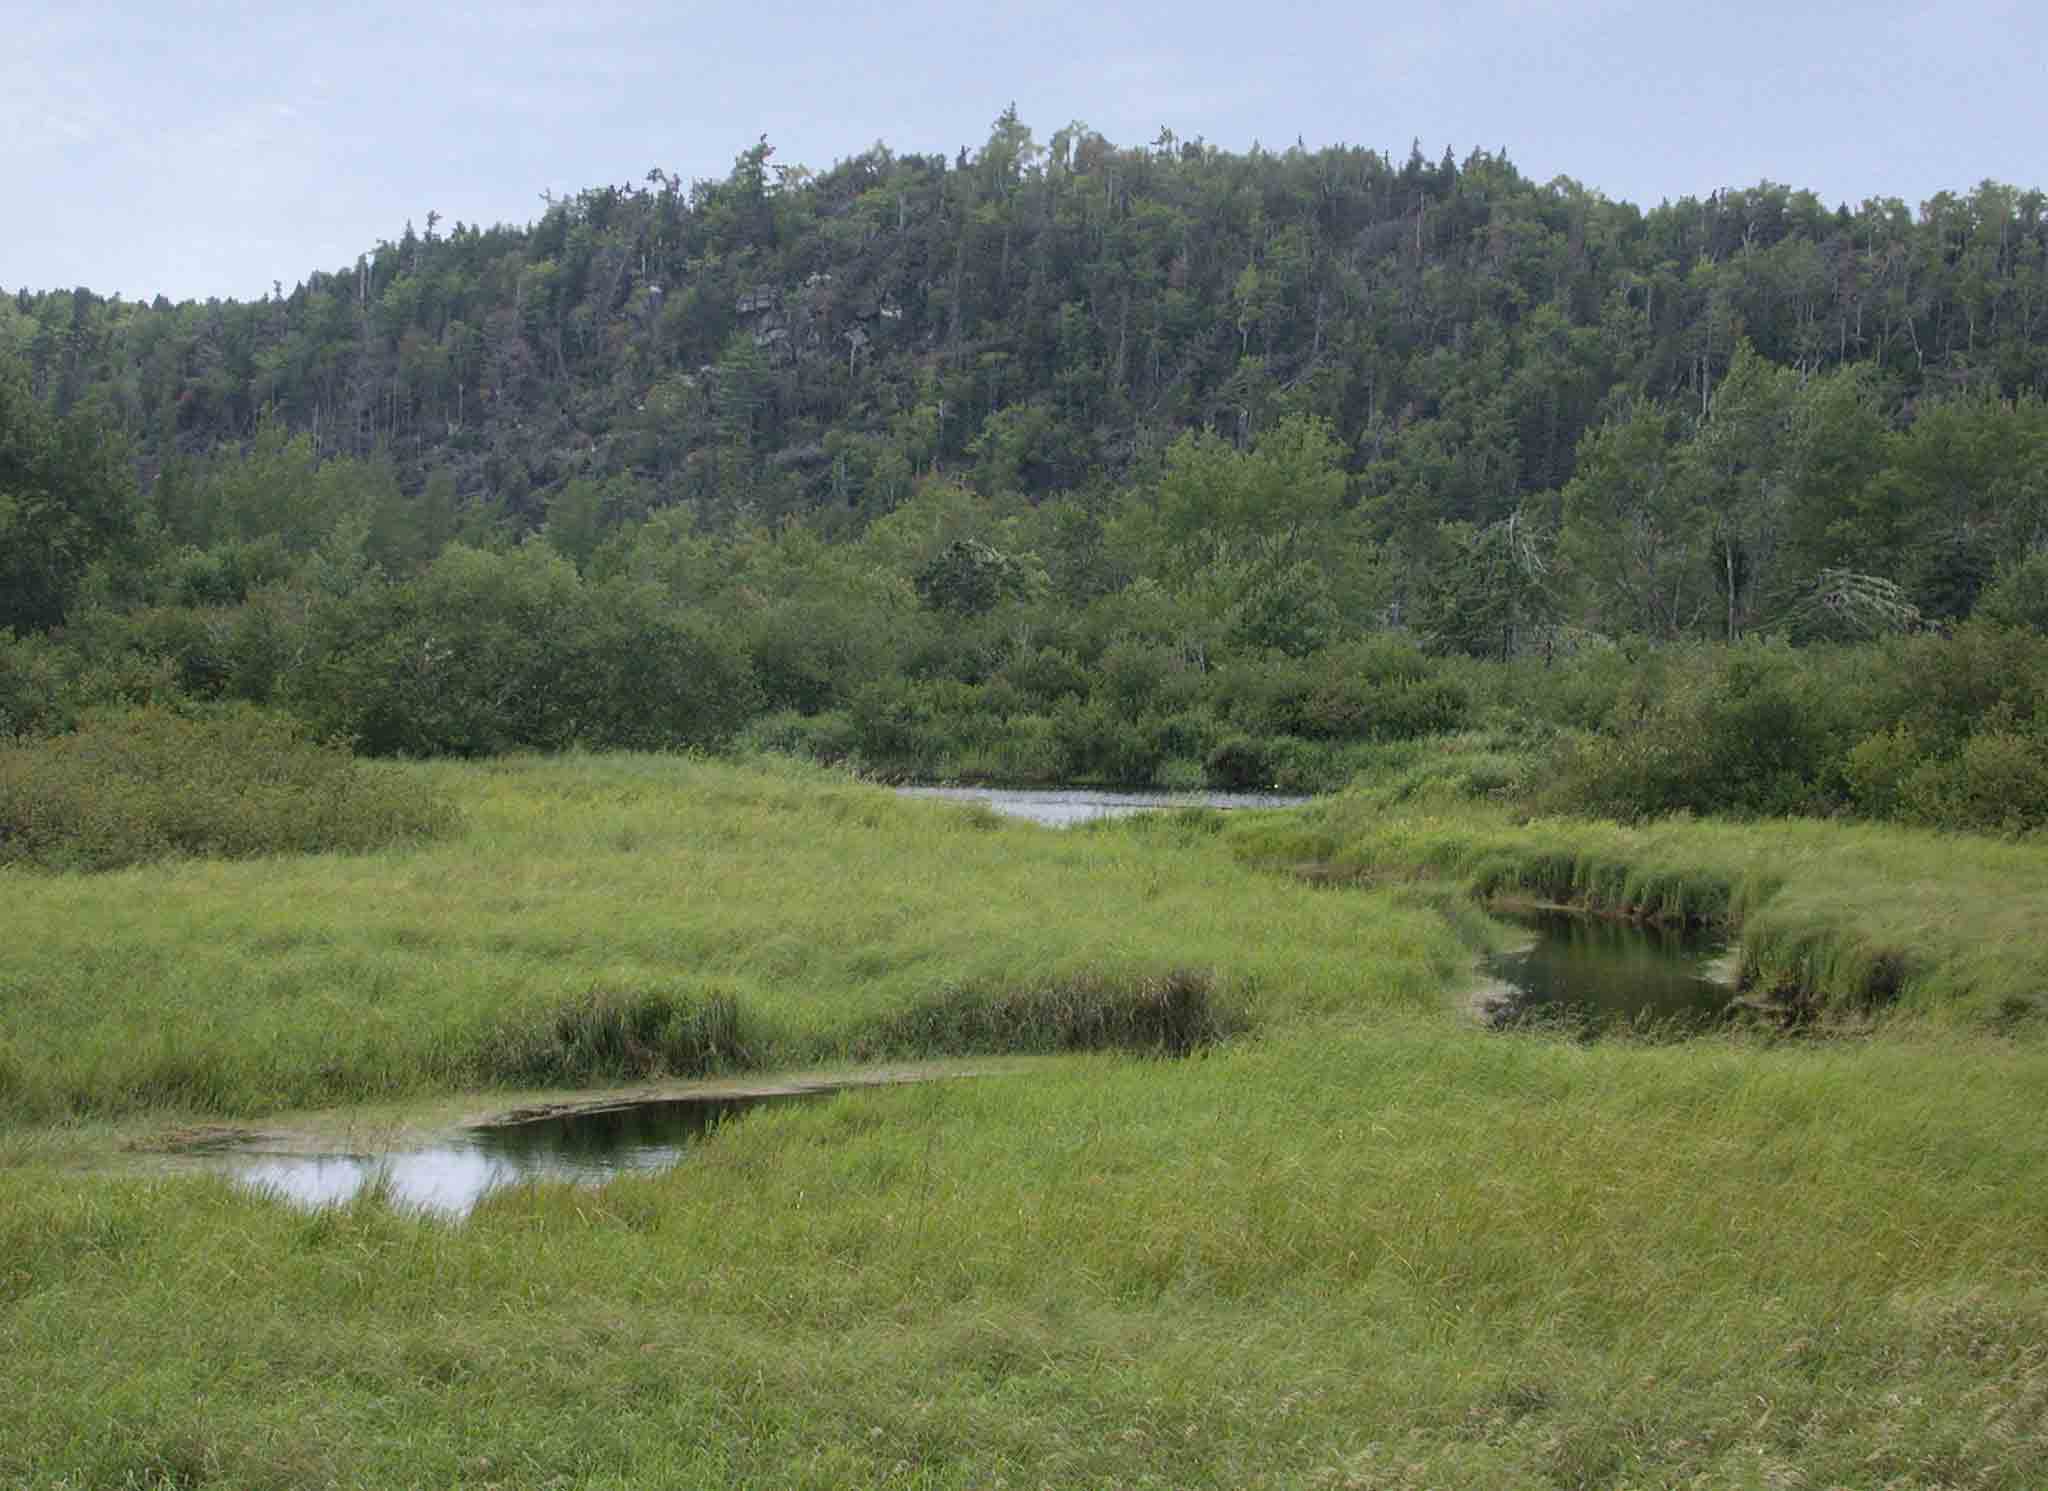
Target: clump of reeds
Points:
(615, 1035)
(1169, 1014)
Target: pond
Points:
(585, 1145)
(1594, 973)
(1060, 807)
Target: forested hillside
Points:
(1093, 427)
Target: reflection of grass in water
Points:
(593, 1136)
(1590, 971)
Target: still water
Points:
(1061, 807)
(586, 1146)
(1595, 973)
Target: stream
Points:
(1593, 974)
(1061, 807)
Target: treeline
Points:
(1158, 465)
(1046, 318)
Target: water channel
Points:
(1593, 974)
(1061, 807)
(1575, 971)
(587, 1145)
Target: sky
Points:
(204, 149)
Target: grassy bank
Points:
(1848, 919)
(1404, 1257)
(608, 917)
(1363, 1244)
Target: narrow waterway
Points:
(1595, 974)
(585, 1146)
(1061, 807)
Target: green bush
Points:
(1240, 764)
(35, 695)
(894, 728)
(829, 737)
(144, 784)
(2019, 596)
(1100, 744)
(493, 652)
(1997, 783)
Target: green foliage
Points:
(1240, 763)
(973, 465)
(67, 502)
(1843, 606)
(2019, 596)
(489, 652)
(1288, 483)
(969, 578)
(35, 697)
(1171, 1014)
(1929, 728)
(618, 1036)
(125, 788)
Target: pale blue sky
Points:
(210, 148)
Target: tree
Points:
(1630, 538)
(970, 578)
(1491, 597)
(1290, 483)
(67, 501)
(1738, 464)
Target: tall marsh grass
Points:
(1834, 918)
(1396, 1255)
(1373, 1248)
(827, 919)
(130, 786)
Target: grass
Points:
(1845, 919)
(828, 919)
(1360, 1245)
(131, 786)
(1409, 1257)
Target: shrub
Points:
(144, 784)
(1239, 764)
(34, 692)
(1046, 675)
(1998, 783)
(492, 652)
(893, 726)
(1100, 744)
(2019, 596)
(828, 737)
(1746, 731)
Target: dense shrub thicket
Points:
(1943, 730)
(143, 784)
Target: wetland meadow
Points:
(1224, 1187)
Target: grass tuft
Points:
(1169, 1014)
(610, 1035)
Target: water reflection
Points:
(1063, 806)
(1598, 973)
(587, 1146)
